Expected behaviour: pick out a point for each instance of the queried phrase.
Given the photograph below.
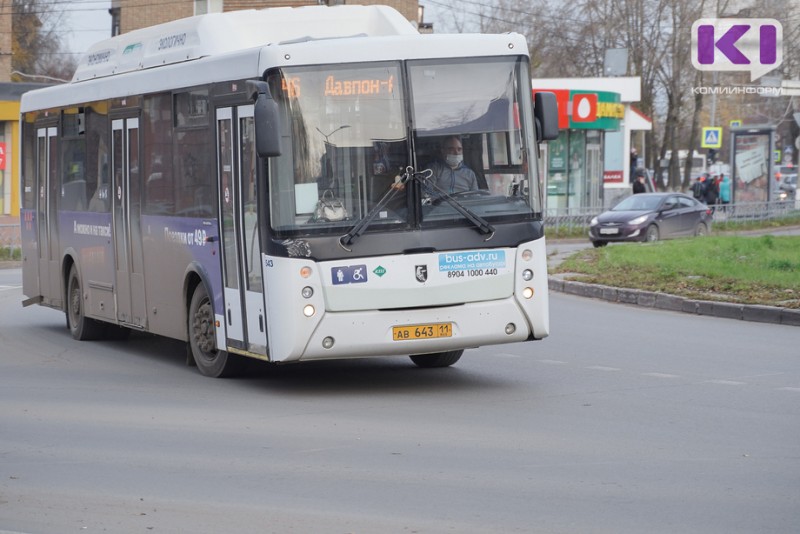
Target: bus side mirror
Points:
(545, 113)
(267, 122)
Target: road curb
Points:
(664, 301)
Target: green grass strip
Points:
(753, 270)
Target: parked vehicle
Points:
(787, 184)
(650, 217)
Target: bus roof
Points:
(219, 33)
(242, 44)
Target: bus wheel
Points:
(203, 339)
(81, 327)
(437, 359)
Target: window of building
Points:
(201, 7)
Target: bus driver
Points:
(450, 173)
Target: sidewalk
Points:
(559, 249)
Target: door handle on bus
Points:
(211, 239)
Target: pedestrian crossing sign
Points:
(712, 137)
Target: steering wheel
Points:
(471, 193)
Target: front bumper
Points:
(623, 232)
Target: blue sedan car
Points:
(650, 217)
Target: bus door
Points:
(128, 255)
(46, 214)
(245, 319)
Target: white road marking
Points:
(9, 288)
(725, 382)
(661, 375)
(603, 368)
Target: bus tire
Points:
(210, 361)
(81, 327)
(437, 359)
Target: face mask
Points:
(454, 160)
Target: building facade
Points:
(589, 165)
(10, 94)
(129, 15)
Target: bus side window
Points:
(98, 175)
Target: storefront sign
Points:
(587, 110)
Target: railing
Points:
(9, 235)
(569, 219)
(566, 220)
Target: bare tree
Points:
(569, 39)
(37, 47)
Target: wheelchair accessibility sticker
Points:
(351, 274)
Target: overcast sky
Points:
(86, 22)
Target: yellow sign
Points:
(612, 110)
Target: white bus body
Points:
(176, 185)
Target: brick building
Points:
(5, 44)
(128, 15)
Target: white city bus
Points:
(256, 184)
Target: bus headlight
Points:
(307, 292)
(527, 275)
(327, 342)
(527, 292)
(309, 310)
(527, 254)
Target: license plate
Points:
(608, 231)
(422, 331)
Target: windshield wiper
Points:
(480, 223)
(361, 227)
(424, 179)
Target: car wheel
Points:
(598, 244)
(203, 339)
(651, 235)
(701, 230)
(437, 359)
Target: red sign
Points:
(584, 108)
(612, 177)
(2, 156)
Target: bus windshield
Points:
(353, 132)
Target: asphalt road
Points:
(625, 420)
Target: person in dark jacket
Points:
(638, 185)
(712, 191)
(699, 188)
